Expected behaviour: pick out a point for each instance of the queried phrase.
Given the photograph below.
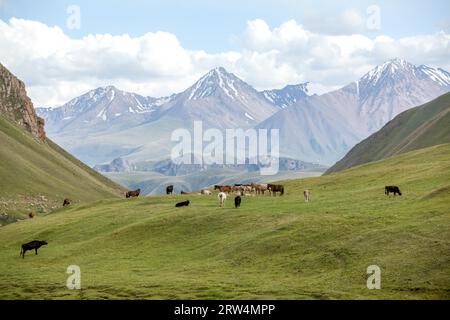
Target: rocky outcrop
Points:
(16, 106)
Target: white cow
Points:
(222, 197)
(306, 195)
(206, 192)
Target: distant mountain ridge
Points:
(416, 128)
(221, 100)
(105, 106)
(288, 95)
(323, 128)
(313, 128)
(169, 168)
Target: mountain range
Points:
(313, 128)
(327, 126)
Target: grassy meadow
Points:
(270, 248)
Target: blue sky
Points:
(212, 25)
(161, 47)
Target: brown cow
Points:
(133, 194)
(274, 188)
(67, 202)
(226, 189)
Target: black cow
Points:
(183, 204)
(36, 244)
(237, 202)
(169, 190)
(392, 189)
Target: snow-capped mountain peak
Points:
(394, 87)
(216, 79)
(101, 105)
(288, 95)
(388, 69)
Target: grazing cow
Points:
(248, 187)
(226, 189)
(206, 192)
(222, 197)
(169, 190)
(392, 189)
(36, 244)
(237, 202)
(67, 202)
(259, 188)
(274, 188)
(306, 195)
(183, 204)
(133, 194)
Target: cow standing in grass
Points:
(307, 195)
(169, 190)
(222, 197)
(392, 189)
(237, 202)
(33, 245)
(133, 194)
(226, 189)
(274, 188)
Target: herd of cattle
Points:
(239, 190)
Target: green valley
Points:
(271, 248)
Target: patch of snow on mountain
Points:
(102, 114)
(249, 116)
(438, 75)
(113, 94)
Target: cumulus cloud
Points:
(57, 68)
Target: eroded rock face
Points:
(17, 106)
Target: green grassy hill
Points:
(271, 248)
(417, 128)
(36, 176)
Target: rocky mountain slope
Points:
(17, 106)
(35, 173)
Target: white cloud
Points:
(57, 68)
(350, 21)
